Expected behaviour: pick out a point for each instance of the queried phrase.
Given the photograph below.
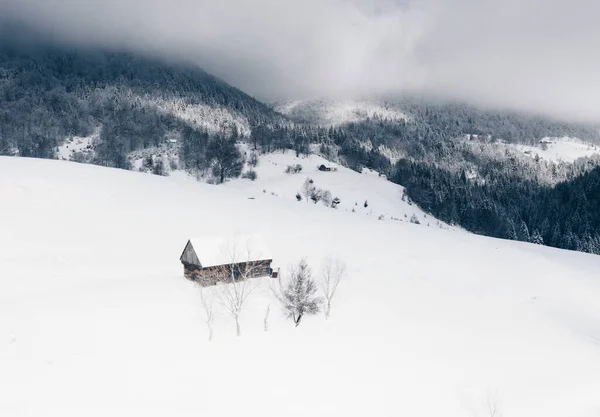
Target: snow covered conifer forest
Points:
(481, 170)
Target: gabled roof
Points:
(224, 250)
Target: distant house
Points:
(219, 259)
(325, 168)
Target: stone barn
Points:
(209, 261)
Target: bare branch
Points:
(332, 273)
(207, 303)
(493, 408)
(266, 320)
(235, 284)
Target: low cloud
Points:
(522, 54)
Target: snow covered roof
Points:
(223, 250)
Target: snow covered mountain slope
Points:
(96, 105)
(335, 113)
(559, 149)
(384, 199)
(96, 318)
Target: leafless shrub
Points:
(293, 169)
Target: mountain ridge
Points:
(478, 169)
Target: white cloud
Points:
(528, 54)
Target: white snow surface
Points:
(223, 250)
(384, 198)
(335, 113)
(560, 149)
(96, 318)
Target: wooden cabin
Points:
(209, 261)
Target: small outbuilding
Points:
(220, 259)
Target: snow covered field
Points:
(560, 149)
(96, 318)
(384, 198)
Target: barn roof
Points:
(223, 250)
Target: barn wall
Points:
(204, 276)
(213, 275)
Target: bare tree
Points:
(332, 273)
(207, 303)
(493, 408)
(298, 294)
(266, 320)
(235, 284)
(308, 189)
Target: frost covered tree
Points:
(332, 273)
(524, 232)
(511, 233)
(298, 294)
(227, 161)
(414, 219)
(308, 189)
(326, 198)
(316, 195)
(253, 160)
(537, 238)
(159, 168)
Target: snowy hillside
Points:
(560, 149)
(335, 113)
(384, 199)
(213, 119)
(78, 146)
(96, 318)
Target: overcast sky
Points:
(540, 55)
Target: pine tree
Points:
(537, 238)
(511, 233)
(524, 232)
